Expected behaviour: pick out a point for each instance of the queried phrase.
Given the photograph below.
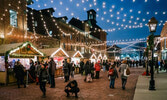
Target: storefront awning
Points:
(25, 49)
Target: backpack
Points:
(111, 72)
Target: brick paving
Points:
(97, 90)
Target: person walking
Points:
(19, 74)
(66, 70)
(52, 68)
(113, 74)
(123, 67)
(72, 69)
(81, 67)
(87, 70)
(37, 70)
(43, 75)
(32, 71)
(97, 69)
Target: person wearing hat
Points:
(123, 66)
(97, 69)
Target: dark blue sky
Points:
(123, 19)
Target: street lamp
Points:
(152, 24)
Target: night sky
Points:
(122, 19)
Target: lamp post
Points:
(152, 24)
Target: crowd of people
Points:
(43, 73)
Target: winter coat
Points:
(122, 68)
(66, 68)
(87, 69)
(74, 88)
(43, 75)
(97, 67)
(115, 74)
(52, 67)
(81, 65)
(19, 71)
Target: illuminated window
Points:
(13, 18)
(82, 50)
(71, 37)
(35, 23)
(50, 32)
(164, 43)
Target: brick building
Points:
(72, 36)
(13, 23)
(163, 42)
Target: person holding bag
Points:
(113, 75)
(125, 72)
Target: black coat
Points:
(43, 75)
(19, 71)
(87, 69)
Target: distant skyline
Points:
(123, 19)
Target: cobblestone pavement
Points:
(97, 90)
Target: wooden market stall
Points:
(10, 53)
(58, 55)
(76, 57)
(100, 58)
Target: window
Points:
(164, 43)
(71, 37)
(35, 23)
(64, 45)
(13, 18)
(50, 32)
(82, 50)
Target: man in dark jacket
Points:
(19, 74)
(66, 70)
(81, 67)
(72, 87)
(43, 74)
(52, 68)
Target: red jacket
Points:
(97, 67)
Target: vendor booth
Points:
(76, 57)
(93, 58)
(105, 57)
(10, 53)
(58, 55)
(99, 58)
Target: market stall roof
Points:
(55, 52)
(100, 56)
(75, 54)
(20, 49)
(93, 56)
(105, 57)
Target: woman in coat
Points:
(87, 69)
(43, 75)
(113, 76)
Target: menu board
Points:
(2, 63)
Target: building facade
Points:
(163, 41)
